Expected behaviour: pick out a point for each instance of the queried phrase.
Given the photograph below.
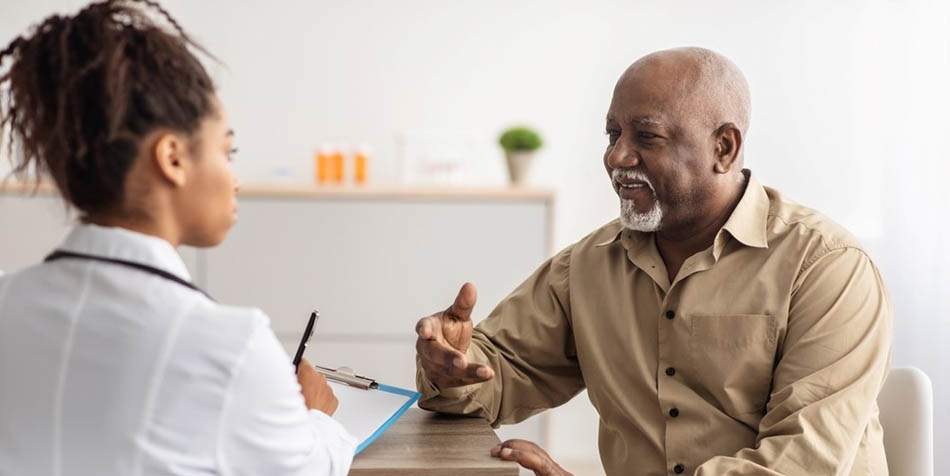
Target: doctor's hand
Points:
(315, 389)
(442, 341)
(530, 456)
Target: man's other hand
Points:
(529, 456)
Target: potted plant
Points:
(519, 143)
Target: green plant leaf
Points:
(520, 138)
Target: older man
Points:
(719, 328)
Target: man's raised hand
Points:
(444, 337)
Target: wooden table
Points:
(427, 444)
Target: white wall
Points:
(849, 109)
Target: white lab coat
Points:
(109, 370)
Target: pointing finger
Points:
(461, 309)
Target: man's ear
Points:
(728, 146)
(169, 153)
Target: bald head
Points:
(695, 84)
(676, 127)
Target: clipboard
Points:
(367, 408)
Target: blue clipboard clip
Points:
(347, 376)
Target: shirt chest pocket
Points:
(733, 356)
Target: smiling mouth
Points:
(632, 185)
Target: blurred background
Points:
(849, 116)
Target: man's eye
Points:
(647, 135)
(612, 136)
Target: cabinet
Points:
(372, 260)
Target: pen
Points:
(307, 333)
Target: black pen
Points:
(307, 333)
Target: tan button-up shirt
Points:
(763, 356)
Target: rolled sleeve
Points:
(527, 341)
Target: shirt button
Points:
(670, 314)
(678, 469)
(674, 412)
(670, 371)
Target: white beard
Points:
(630, 218)
(636, 221)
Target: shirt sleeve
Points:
(265, 425)
(830, 370)
(528, 342)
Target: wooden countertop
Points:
(396, 192)
(428, 444)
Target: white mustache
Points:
(629, 174)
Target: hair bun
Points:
(84, 90)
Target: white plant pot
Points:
(519, 162)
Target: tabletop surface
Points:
(428, 444)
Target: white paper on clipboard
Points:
(366, 414)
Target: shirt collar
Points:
(749, 219)
(747, 223)
(614, 236)
(128, 245)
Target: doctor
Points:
(111, 361)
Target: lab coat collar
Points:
(125, 244)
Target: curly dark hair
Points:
(84, 90)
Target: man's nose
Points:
(622, 156)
